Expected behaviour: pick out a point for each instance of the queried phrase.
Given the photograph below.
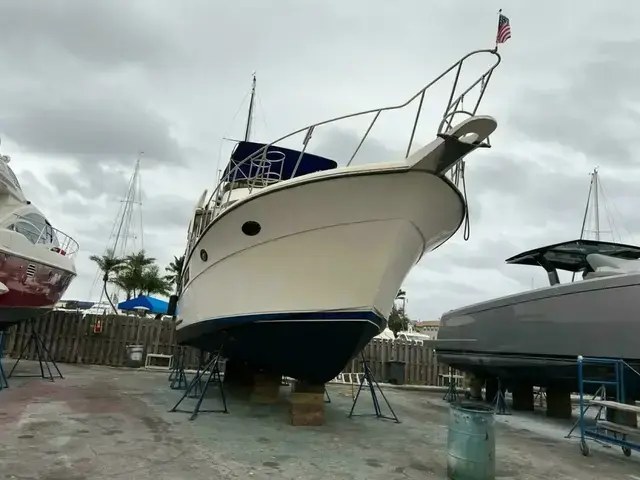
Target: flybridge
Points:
(278, 163)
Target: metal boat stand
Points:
(212, 367)
(177, 377)
(541, 397)
(372, 383)
(327, 398)
(42, 353)
(451, 395)
(174, 368)
(3, 378)
(499, 403)
(196, 391)
(601, 394)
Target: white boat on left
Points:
(293, 263)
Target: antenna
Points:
(247, 132)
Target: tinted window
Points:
(33, 226)
(27, 229)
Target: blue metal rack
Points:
(605, 431)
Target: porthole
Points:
(251, 228)
(204, 255)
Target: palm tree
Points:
(108, 264)
(152, 283)
(127, 281)
(398, 320)
(138, 262)
(175, 272)
(130, 277)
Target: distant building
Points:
(430, 327)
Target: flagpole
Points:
(499, 13)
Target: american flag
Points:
(504, 29)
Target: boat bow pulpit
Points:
(573, 256)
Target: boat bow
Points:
(450, 148)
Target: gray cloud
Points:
(551, 192)
(73, 78)
(169, 211)
(93, 181)
(595, 112)
(98, 33)
(91, 129)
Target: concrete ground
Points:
(107, 423)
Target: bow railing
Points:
(262, 167)
(41, 233)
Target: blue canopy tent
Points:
(153, 305)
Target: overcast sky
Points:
(86, 85)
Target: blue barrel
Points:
(471, 443)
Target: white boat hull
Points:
(296, 277)
(331, 252)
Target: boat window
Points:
(185, 278)
(32, 226)
(28, 229)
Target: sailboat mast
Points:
(596, 203)
(247, 132)
(125, 220)
(594, 181)
(586, 208)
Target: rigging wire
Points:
(263, 115)
(615, 208)
(223, 139)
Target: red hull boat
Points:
(36, 260)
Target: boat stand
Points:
(372, 383)
(213, 377)
(327, 398)
(451, 395)
(541, 396)
(601, 394)
(176, 365)
(196, 391)
(42, 353)
(499, 403)
(3, 378)
(177, 377)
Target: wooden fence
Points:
(70, 338)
